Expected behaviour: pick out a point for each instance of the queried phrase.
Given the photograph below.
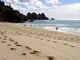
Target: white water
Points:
(70, 26)
(64, 29)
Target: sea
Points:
(69, 26)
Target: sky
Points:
(58, 9)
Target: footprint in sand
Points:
(23, 53)
(0, 37)
(5, 39)
(4, 59)
(34, 52)
(72, 46)
(65, 44)
(8, 45)
(3, 42)
(28, 47)
(12, 48)
(54, 41)
(51, 58)
(2, 33)
(17, 44)
(41, 38)
(10, 39)
(48, 40)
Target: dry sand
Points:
(18, 42)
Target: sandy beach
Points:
(19, 42)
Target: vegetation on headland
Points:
(36, 16)
(8, 14)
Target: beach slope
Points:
(19, 42)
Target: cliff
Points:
(8, 14)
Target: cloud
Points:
(30, 5)
(49, 7)
(37, 4)
(69, 11)
(53, 2)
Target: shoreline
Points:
(61, 30)
(52, 31)
(53, 28)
